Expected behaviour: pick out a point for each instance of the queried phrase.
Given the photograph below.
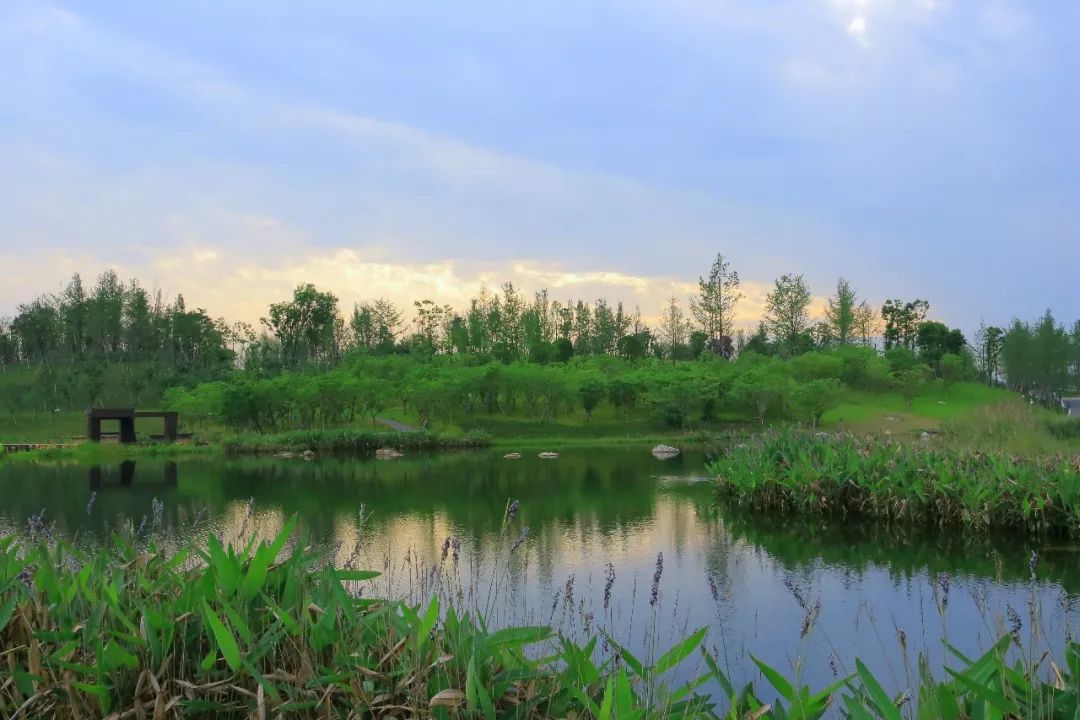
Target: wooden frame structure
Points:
(126, 418)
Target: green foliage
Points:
(817, 366)
(1068, 429)
(812, 399)
(270, 629)
(305, 325)
(761, 385)
(953, 367)
(911, 383)
(1041, 359)
(935, 340)
(591, 391)
(795, 472)
(347, 441)
(786, 315)
(902, 322)
(714, 307)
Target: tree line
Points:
(73, 338)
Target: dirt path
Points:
(395, 425)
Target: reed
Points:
(917, 483)
(271, 630)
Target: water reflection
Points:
(96, 477)
(754, 580)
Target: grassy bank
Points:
(347, 441)
(272, 631)
(856, 410)
(913, 482)
(95, 453)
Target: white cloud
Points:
(857, 29)
(240, 283)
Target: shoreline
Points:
(365, 442)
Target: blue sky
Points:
(229, 150)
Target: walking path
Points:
(395, 425)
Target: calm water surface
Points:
(812, 594)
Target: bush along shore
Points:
(271, 630)
(903, 482)
(348, 441)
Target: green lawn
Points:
(859, 411)
(35, 418)
(865, 411)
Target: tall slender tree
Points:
(841, 313)
(988, 351)
(786, 313)
(673, 328)
(714, 306)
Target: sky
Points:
(918, 148)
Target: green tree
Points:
(431, 322)
(673, 328)
(814, 398)
(934, 340)
(759, 343)
(591, 391)
(374, 395)
(564, 350)
(36, 328)
(988, 348)
(674, 395)
(953, 368)
(106, 316)
(305, 326)
(74, 316)
(762, 384)
(714, 306)
(911, 383)
(582, 328)
(622, 394)
(786, 315)
(841, 313)
(902, 322)
(633, 346)
(816, 366)
(1036, 358)
(866, 324)
(138, 326)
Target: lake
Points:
(791, 592)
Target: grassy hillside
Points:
(869, 412)
(965, 405)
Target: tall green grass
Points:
(270, 630)
(919, 482)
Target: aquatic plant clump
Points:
(916, 483)
(272, 631)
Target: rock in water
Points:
(512, 456)
(388, 454)
(309, 454)
(548, 455)
(663, 452)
